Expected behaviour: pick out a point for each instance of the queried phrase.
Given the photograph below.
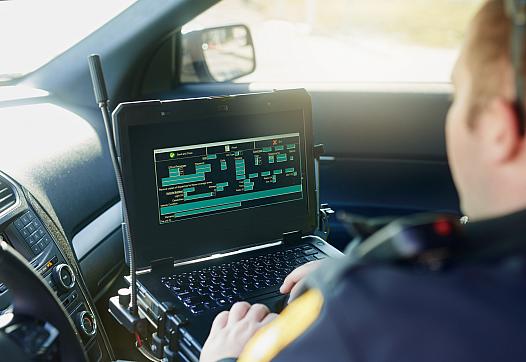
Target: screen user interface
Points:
(203, 179)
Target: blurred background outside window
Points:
(348, 40)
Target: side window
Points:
(344, 40)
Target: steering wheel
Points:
(38, 323)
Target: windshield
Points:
(33, 32)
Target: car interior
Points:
(383, 150)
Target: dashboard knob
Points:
(86, 323)
(63, 277)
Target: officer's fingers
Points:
(238, 312)
(295, 291)
(269, 318)
(257, 312)
(219, 322)
(294, 276)
(290, 280)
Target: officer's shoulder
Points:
(427, 240)
(424, 256)
(492, 290)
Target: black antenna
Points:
(101, 96)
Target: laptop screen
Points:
(200, 180)
(205, 185)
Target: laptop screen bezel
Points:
(131, 114)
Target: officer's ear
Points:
(497, 129)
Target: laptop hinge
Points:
(162, 263)
(292, 237)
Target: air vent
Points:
(7, 196)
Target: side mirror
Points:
(217, 54)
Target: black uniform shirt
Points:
(471, 310)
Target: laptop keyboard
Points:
(220, 286)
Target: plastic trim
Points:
(97, 231)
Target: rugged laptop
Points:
(221, 200)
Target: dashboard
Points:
(28, 229)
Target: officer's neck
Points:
(500, 197)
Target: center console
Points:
(28, 231)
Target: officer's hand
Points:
(232, 330)
(292, 283)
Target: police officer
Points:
(423, 290)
